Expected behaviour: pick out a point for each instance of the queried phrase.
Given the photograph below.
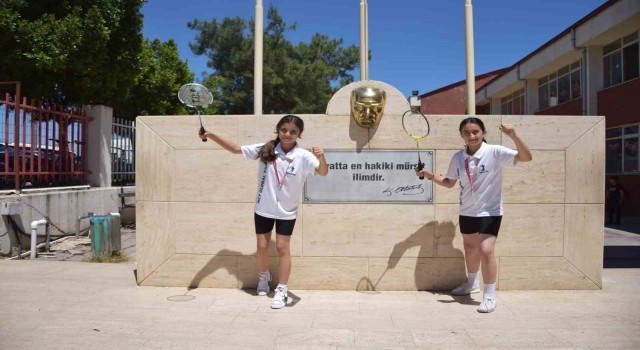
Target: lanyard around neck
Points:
(275, 169)
(467, 170)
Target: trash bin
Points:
(105, 233)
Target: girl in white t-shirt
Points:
(284, 168)
(479, 168)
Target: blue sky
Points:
(415, 44)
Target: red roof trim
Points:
(462, 82)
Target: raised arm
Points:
(224, 143)
(323, 168)
(524, 154)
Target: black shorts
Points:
(265, 225)
(482, 224)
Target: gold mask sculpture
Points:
(367, 105)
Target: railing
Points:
(123, 146)
(41, 145)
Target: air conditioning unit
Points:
(553, 101)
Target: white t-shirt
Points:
(279, 193)
(480, 177)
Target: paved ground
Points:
(49, 304)
(613, 237)
(79, 305)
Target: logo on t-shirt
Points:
(291, 170)
(483, 169)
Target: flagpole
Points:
(364, 40)
(469, 55)
(258, 59)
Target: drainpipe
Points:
(526, 92)
(47, 238)
(583, 71)
(34, 236)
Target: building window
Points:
(622, 150)
(620, 61)
(513, 104)
(560, 86)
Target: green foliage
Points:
(161, 75)
(72, 51)
(297, 78)
(76, 52)
(213, 83)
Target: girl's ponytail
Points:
(268, 152)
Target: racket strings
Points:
(195, 95)
(416, 125)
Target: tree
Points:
(72, 51)
(297, 78)
(161, 75)
(76, 52)
(213, 83)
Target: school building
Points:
(590, 68)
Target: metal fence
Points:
(123, 146)
(41, 144)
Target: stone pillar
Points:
(496, 107)
(531, 102)
(99, 145)
(594, 78)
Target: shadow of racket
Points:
(365, 285)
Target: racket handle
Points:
(420, 167)
(202, 132)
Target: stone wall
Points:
(195, 206)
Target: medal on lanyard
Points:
(469, 176)
(275, 169)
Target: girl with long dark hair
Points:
(284, 168)
(478, 166)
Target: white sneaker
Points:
(263, 283)
(488, 305)
(280, 299)
(465, 289)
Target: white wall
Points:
(62, 208)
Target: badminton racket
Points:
(416, 125)
(196, 96)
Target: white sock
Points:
(282, 286)
(264, 273)
(472, 279)
(490, 290)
